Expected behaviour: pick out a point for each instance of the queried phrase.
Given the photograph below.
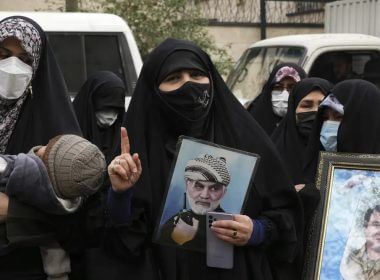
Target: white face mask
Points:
(106, 117)
(280, 102)
(15, 77)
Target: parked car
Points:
(321, 55)
(85, 43)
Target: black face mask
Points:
(191, 100)
(304, 122)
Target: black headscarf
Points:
(359, 130)
(291, 145)
(272, 197)
(48, 111)
(176, 116)
(180, 60)
(44, 114)
(102, 90)
(261, 108)
(287, 139)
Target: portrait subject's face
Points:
(204, 196)
(372, 232)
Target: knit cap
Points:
(75, 166)
(208, 168)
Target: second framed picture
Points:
(204, 178)
(345, 240)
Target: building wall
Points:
(23, 5)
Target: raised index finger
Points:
(125, 148)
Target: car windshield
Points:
(252, 70)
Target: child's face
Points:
(40, 152)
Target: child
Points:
(54, 178)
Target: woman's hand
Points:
(237, 232)
(4, 202)
(124, 170)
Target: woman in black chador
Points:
(34, 107)
(179, 92)
(347, 121)
(292, 135)
(271, 105)
(99, 107)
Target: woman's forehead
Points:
(180, 60)
(26, 33)
(287, 79)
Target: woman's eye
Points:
(172, 78)
(198, 74)
(26, 59)
(305, 105)
(4, 53)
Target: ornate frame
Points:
(328, 163)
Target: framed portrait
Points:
(205, 177)
(344, 240)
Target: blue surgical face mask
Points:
(329, 135)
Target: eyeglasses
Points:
(5, 53)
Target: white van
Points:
(85, 43)
(314, 52)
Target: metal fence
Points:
(310, 12)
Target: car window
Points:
(247, 79)
(88, 54)
(337, 66)
(102, 52)
(70, 59)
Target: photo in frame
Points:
(344, 240)
(205, 177)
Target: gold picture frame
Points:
(349, 185)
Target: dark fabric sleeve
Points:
(29, 183)
(280, 208)
(131, 238)
(119, 206)
(310, 197)
(258, 233)
(127, 240)
(28, 226)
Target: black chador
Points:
(153, 127)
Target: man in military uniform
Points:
(364, 263)
(206, 181)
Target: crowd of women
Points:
(179, 92)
